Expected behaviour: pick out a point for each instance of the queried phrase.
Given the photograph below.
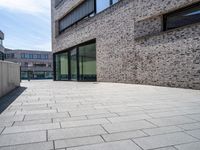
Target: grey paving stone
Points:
(24, 123)
(129, 118)
(69, 119)
(165, 140)
(190, 146)
(195, 116)
(166, 148)
(87, 112)
(78, 142)
(194, 133)
(75, 132)
(162, 130)
(83, 122)
(119, 145)
(34, 146)
(101, 116)
(191, 126)
(27, 128)
(6, 124)
(28, 112)
(127, 126)
(22, 138)
(171, 121)
(8, 119)
(123, 135)
(46, 116)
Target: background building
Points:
(1, 46)
(34, 64)
(144, 42)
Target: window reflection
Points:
(62, 66)
(87, 62)
(101, 5)
(182, 17)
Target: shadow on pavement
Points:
(6, 100)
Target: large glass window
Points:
(76, 64)
(73, 64)
(182, 17)
(62, 66)
(87, 62)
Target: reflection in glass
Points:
(73, 67)
(101, 5)
(62, 66)
(87, 62)
(183, 17)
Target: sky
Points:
(26, 24)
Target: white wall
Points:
(9, 77)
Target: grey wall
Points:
(9, 77)
(131, 46)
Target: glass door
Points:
(73, 64)
(62, 66)
(87, 62)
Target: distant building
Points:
(1, 46)
(34, 64)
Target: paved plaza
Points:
(47, 115)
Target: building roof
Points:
(1, 35)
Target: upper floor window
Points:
(103, 4)
(83, 10)
(86, 9)
(182, 17)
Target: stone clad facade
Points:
(131, 45)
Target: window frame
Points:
(94, 13)
(174, 13)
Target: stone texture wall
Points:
(9, 77)
(131, 46)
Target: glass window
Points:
(1, 56)
(80, 12)
(1, 42)
(30, 56)
(186, 16)
(38, 56)
(34, 56)
(24, 75)
(27, 56)
(22, 55)
(101, 5)
(77, 64)
(87, 62)
(73, 64)
(62, 66)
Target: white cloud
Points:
(33, 7)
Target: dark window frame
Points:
(86, 16)
(173, 13)
(68, 50)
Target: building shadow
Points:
(7, 100)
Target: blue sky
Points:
(26, 24)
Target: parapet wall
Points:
(9, 77)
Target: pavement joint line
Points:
(136, 144)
